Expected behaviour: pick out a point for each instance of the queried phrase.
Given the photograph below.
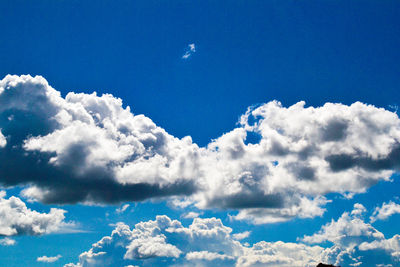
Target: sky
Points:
(199, 133)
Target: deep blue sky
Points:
(247, 52)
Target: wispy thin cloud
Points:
(7, 242)
(122, 209)
(190, 49)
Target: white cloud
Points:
(302, 154)
(385, 211)
(206, 255)
(207, 242)
(204, 241)
(48, 259)
(17, 219)
(280, 254)
(91, 149)
(242, 235)
(3, 141)
(191, 215)
(356, 241)
(391, 245)
(122, 209)
(348, 231)
(191, 48)
(7, 242)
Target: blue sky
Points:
(194, 68)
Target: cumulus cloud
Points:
(355, 241)
(204, 242)
(48, 259)
(302, 154)
(85, 148)
(17, 219)
(208, 242)
(191, 48)
(88, 148)
(385, 211)
(348, 231)
(7, 242)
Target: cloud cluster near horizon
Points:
(207, 242)
(89, 148)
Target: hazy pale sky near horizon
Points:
(248, 133)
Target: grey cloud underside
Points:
(342, 162)
(89, 148)
(62, 184)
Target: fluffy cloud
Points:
(85, 148)
(301, 155)
(384, 212)
(48, 259)
(356, 241)
(204, 242)
(348, 231)
(207, 242)
(17, 219)
(89, 148)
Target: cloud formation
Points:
(7, 242)
(204, 242)
(207, 242)
(356, 242)
(17, 219)
(279, 162)
(85, 148)
(48, 259)
(385, 211)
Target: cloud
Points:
(391, 245)
(122, 209)
(206, 255)
(356, 241)
(7, 242)
(48, 259)
(347, 241)
(302, 155)
(191, 215)
(84, 148)
(385, 211)
(204, 242)
(17, 219)
(242, 235)
(349, 230)
(3, 141)
(191, 48)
